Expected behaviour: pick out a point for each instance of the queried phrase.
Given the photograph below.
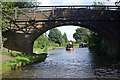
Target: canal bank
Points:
(45, 51)
(18, 60)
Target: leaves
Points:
(55, 36)
(97, 44)
(65, 37)
(80, 34)
(42, 40)
(8, 8)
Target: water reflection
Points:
(65, 64)
(70, 51)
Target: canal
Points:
(64, 64)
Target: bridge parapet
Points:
(28, 19)
(48, 12)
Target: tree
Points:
(55, 36)
(81, 34)
(41, 41)
(7, 8)
(95, 3)
(65, 37)
(96, 43)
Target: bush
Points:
(97, 44)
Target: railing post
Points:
(107, 8)
(53, 12)
(15, 13)
(70, 12)
(88, 7)
(34, 13)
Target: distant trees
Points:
(81, 35)
(95, 43)
(56, 36)
(41, 41)
(65, 37)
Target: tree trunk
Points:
(1, 45)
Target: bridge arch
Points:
(87, 25)
(106, 33)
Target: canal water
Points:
(65, 64)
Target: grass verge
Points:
(51, 48)
(48, 48)
(20, 60)
(14, 54)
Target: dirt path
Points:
(5, 57)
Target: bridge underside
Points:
(105, 23)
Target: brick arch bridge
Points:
(26, 28)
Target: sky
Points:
(73, 2)
(70, 30)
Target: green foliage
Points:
(98, 4)
(7, 8)
(97, 44)
(81, 35)
(11, 53)
(41, 44)
(65, 37)
(55, 36)
(75, 44)
(53, 47)
(56, 40)
(20, 59)
(41, 41)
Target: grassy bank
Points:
(14, 54)
(48, 48)
(51, 48)
(20, 60)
